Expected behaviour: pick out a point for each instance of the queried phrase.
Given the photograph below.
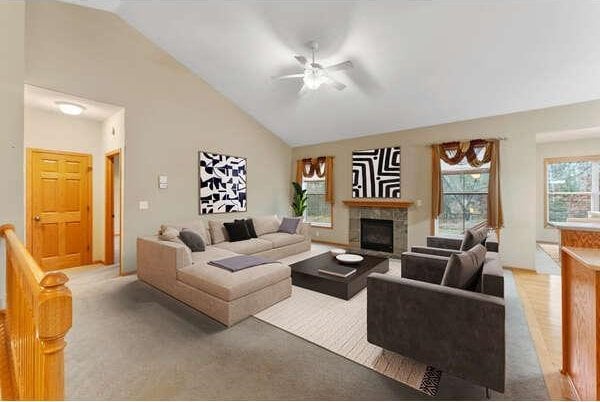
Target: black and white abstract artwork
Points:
(222, 183)
(376, 173)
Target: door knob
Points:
(37, 218)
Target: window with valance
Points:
(316, 177)
(466, 185)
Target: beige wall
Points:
(170, 114)
(554, 150)
(12, 30)
(55, 131)
(518, 171)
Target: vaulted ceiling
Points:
(417, 62)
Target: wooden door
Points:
(59, 203)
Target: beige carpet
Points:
(553, 250)
(341, 327)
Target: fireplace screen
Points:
(377, 234)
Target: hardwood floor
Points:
(541, 297)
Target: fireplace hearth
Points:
(377, 234)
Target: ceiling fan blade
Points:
(334, 83)
(303, 91)
(288, 76)
(340, 66)
(301, 59)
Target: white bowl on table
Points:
(337, 251)
(349, 258)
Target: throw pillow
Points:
(464, 269)
(168, 233)
(289, 225)
(218, 233)
(266, 224)
(474, 237)
(237, 231)
(249, 225)
(192, 239)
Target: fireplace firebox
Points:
(377, 234)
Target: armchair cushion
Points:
(474, 237)
(463, 270)
(423, 267)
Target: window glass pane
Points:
(317, 209)
(564, 206)
(462, 211)
(469, 183)
(570, 177)
(464, 196)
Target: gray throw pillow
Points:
(289, 225)
(464, 269)
(473, 238)
(192, 239)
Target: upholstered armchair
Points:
(446, 246)
(458, 331)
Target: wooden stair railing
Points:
(37, 318)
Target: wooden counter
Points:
(580, 268)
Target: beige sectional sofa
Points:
(228, 297)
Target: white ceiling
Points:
(46, 99)
(417, 62)
(589, 133)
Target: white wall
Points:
(580, 147)
(517, 171)
(170, 114)
(12, 70)
(55, 131)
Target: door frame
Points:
(29, 204)
(109, 206)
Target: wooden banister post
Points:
(53, 321)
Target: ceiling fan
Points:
(315, 74)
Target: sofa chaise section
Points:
(228, 297)
(225, 296)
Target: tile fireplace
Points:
(378, 227)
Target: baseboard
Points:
(330, 243)
(517, 269)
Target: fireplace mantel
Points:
(378, 203)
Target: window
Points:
(572, 188)
(318, 211)
(464, 197)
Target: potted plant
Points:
(299, 200)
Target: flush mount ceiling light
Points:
(72, 109)
(315, 74)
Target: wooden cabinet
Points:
(580, 268)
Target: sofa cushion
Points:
(192, 239)
(250, 246)
(218, 233)
(227, 285)
(237, 231)
(474, 237)
(266, 224)
(463, 270)
(197, 225)
(282, 239)
(289, 225)
(249, 225)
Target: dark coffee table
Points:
(306, 274)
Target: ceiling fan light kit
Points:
(315, 74)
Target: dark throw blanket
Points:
(240, 262)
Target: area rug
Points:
(341, 327)
(553, 250)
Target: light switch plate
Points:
(163, 181)
(143, 205)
